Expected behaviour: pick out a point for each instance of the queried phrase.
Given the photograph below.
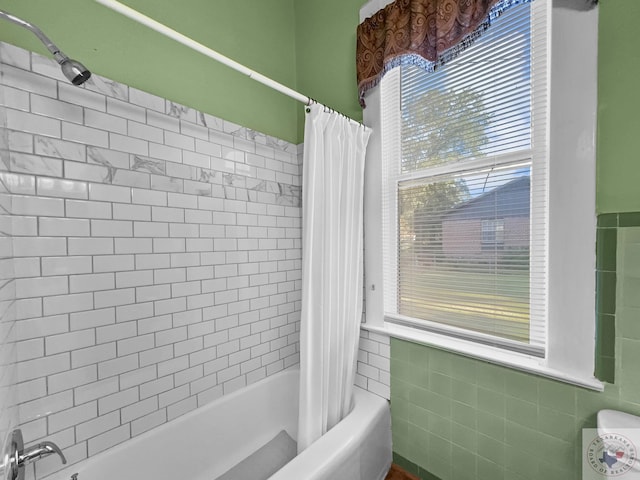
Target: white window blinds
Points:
(465, 192)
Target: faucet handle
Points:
(10, 469)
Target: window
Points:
(483, 250)
(493, 234)
(467, 161)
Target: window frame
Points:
(571, 124)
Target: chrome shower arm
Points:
(52, 47)
(75, 72)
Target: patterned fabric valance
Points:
(423, 32)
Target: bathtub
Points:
(205, 443)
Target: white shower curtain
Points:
(332, 231)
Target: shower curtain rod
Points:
(198, 47)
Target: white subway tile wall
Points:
(9, 393)
(374, 364)
(157, 251)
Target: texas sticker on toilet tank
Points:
(610, 455)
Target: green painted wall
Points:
(308, 45)
(618, 107)
(326, 52)
(259, 34)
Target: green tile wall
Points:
(606, 247)
(459, 418)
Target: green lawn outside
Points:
(496, 304)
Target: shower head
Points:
(72, 69)
(76, 72)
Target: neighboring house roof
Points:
(512, 199)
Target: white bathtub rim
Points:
(338, 443)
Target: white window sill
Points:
(486, 353)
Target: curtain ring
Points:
(310, 102)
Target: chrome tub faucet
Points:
(18, 457)
(41, 450)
